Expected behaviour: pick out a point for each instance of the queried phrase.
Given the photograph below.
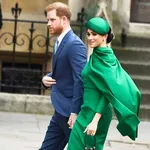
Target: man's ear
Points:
(64, 18)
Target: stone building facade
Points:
(129, 20)
(130, 15)
(30, 48)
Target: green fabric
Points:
(105, 82)
(94, 102)
(77, 141)
(119, 89)
(101, 105)
(98, 25)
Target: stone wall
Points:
(31, 9)
(121, 19)
(34, 10)
(25, 103)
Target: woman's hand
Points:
(91, 128)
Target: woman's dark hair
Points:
(110, 36)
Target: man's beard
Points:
(57, 31)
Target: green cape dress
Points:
(106, 83)
(118, 87)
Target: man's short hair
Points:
(61, 9)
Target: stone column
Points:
(76, 6)
(105, 10)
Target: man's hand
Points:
(72, 120)
(48, 81)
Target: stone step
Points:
(144, 113)
(133, 40)
(137, 41)
(25, 103)
(145, 97)
(136, 68)
(132, 54)
(142, 82)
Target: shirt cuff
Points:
(74, 114)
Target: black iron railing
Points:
(32, 44)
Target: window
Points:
(140, 11)
(21, 78)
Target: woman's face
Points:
(95, 40)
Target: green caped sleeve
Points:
(103, 102)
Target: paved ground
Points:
(26, 132)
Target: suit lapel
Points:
(60, 48)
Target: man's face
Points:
(54, 23)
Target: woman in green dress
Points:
(106, 85)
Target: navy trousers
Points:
(57, 134)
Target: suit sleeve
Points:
(77, 57)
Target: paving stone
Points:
(126, 146)
(20, 131)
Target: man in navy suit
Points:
(69, 58)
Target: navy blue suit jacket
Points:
(67, 65)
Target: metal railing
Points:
(32, 45)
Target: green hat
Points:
(98, 25)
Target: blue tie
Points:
(56, 46)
